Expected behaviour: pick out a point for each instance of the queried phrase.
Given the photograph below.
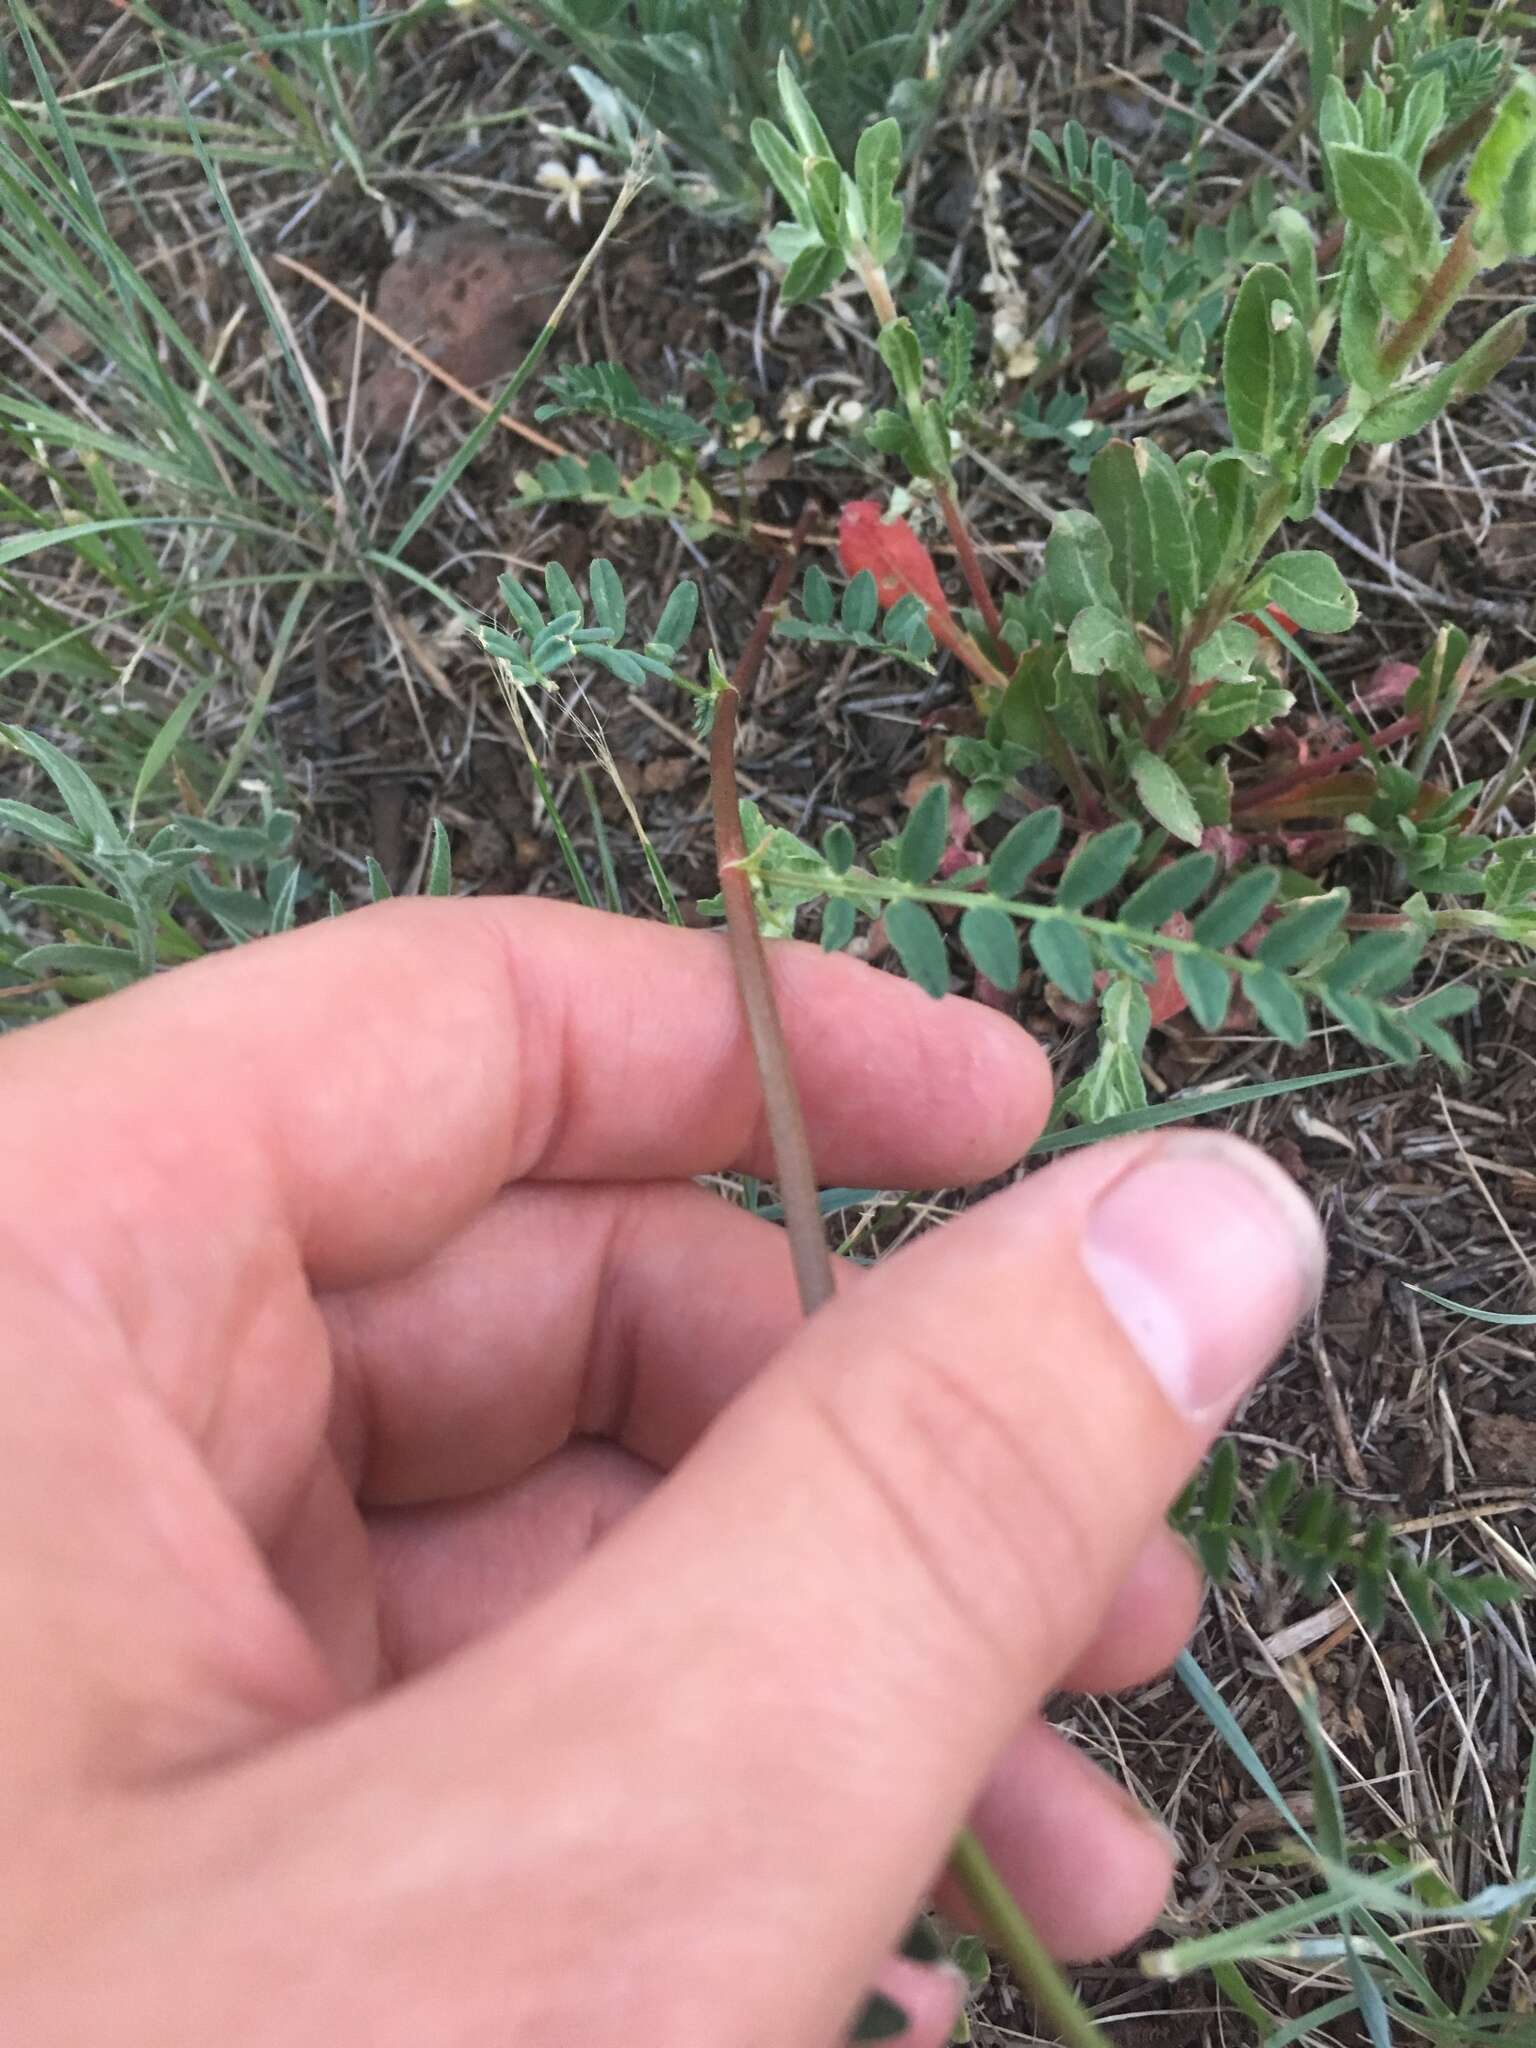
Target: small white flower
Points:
(800, 414)
(1011, 342)
(794, 410)
(569, 188)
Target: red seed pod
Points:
(893, 555)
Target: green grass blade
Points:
(1180, 1110)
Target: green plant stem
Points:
(1439, 295)
(795, 1170)
(878, 291)
(1007, 1929)
(1268, 514)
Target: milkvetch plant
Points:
(1148, 668)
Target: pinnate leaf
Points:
(1065, 956)
(1302, 932)
(678, 615)
(1234, 913)
(919, 944)
(1171, 889)
(607, 595)
(1280, 1008)
(1207, 988)
(991, 940)
(1030, 842)
(838, 848)
(837, 922)
(921, 845)
(861, 604)
(1098, 866)
(816, 596)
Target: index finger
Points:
(365, 1086)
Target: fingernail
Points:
(1205, 1254)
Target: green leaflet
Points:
(1117, 495)
(1267, 368)
(1166, 798)
(1065, 957)
(919, 944)
(1307, 585)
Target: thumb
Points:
(894, 1544)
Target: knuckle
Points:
(998, 1526)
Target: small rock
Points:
(470, 297)
(1504, 1449)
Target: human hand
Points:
(354, 1288)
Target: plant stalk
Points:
(749, 958)
(1007, 1929)
(1002, 1922)
(970, 562)
(1440, 294)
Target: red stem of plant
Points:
(970, 1866)
(1325, 764)
(1457, 264)
(793, 1163)
(970, 563)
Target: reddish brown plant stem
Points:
(749, 958)
(970, 562)
(1456, 266)
(1325, 764)
(1000, 1918)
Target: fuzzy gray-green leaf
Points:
(1267, 364)
(925, 835)
(1309, 587)
(1116, 493)
(1166, 798)
(877, 166)
(1303, 932)
(990, 938)
(1030, 842)
(1378, 193)
(919, 944)
(1234, 913)
(1098, 866)
(1065, 956)
(1207, 988)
